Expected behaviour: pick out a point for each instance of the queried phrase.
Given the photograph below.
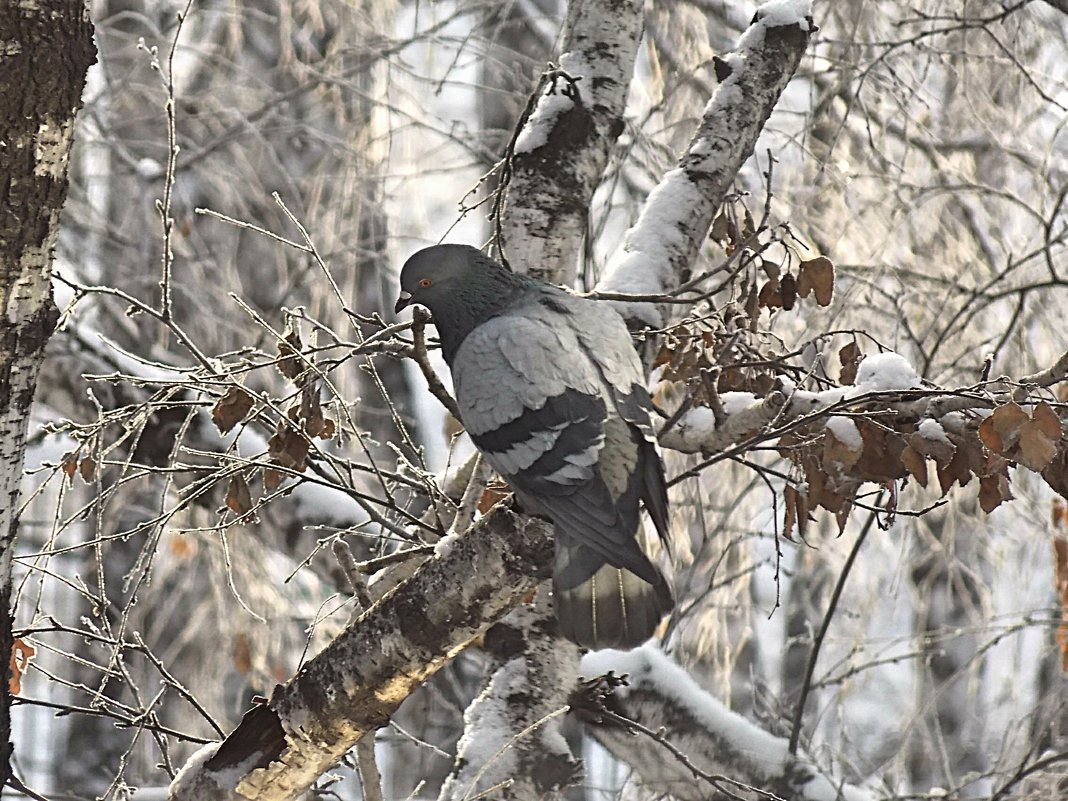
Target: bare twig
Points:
(420, 318)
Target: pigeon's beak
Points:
(403, 301)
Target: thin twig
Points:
(717, 780)
(419, 320)
(343, 554)
(810, 668)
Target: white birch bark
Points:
(46, 48)
(512, 740)
(561, 153)
(354, 685)
(658, 252)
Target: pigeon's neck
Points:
(464, 311)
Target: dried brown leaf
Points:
(87, 469)
(272, 479)
(941, 450)
(993, 491)
(720, 227)
(955, 471)
(796, 513)
(770, 297)
(290, 364)
(21, 654)
(238, 496)
(288, 447)
(839, 454)
(311, 409)
(231, 409)
(880, 461)
(816, 276)
(788, 291)
(850, 357)
(1056, 474)
(69, 464)
(328, 430)
(1036, 449)
(915, 463)
(1047, 420)
(1001, 429)
(490, 496)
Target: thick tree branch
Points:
(659, 250)
(46, 51)
(560, 154)
(511, 731)
(663, 698)
(356, 683)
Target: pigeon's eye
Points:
(424, 283)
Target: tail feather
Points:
(612, 608)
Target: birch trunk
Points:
(46, 49)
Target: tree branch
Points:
(355, 684)
(659, 250)
(717, 743)
(558, 157)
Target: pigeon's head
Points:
(435, 275)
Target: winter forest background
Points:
(914, 535)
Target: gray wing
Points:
(544, 413)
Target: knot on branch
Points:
(570, 90)
(594, 700)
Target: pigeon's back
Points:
(552, 392)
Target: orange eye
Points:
(424, 283)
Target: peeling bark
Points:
(45, 50)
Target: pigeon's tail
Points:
(612, 608)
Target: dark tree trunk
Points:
(48, 47)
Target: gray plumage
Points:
(552, 392)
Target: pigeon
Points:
(551, 391)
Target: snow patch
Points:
(932, 430)
(643, 265)
(552, 103)
(885, 372)
(777, 13)
(846, 432)
(738, 402)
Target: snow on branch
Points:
(561, 150)
(353, 686)
(511, 730)
(687, 735)
(660, 248)
(882, 425)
